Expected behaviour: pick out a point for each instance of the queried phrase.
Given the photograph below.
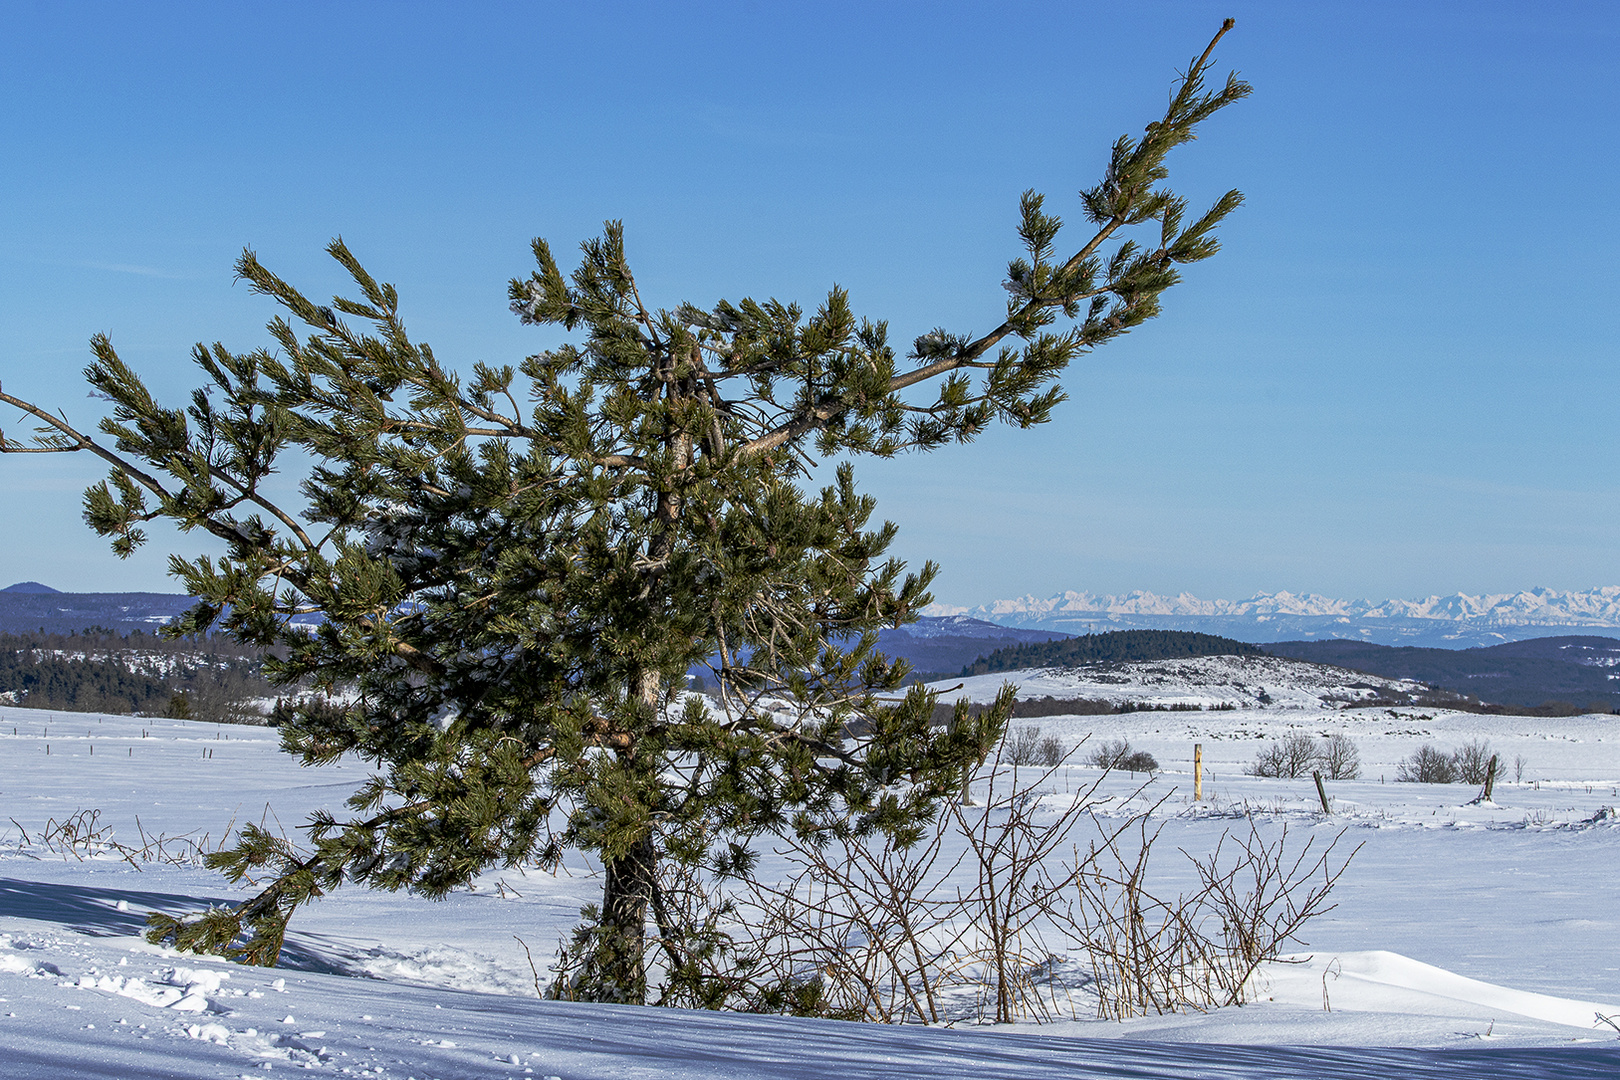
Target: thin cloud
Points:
(130, 268)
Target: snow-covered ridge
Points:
(1202, 682)
(1544, 607)
(1458, 618)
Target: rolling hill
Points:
(1581, 670)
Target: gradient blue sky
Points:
(1397, 379)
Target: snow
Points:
(1470, 939)
(1304, 698)
(1542, 607)
(1204, 682)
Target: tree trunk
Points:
(618, 966)
(620, 960)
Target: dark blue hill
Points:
(24, 609)
(1582, 671)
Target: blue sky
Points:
(1396, 379)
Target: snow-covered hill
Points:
(1201, 682)
(1454, 621)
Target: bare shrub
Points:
(1109, 753)
(1427, 765)
(864, 930)
(1012, 908)
(82, 835)
(1139, 761)
(1262, 900)
(977, 918)
(1289, 758)
(1117, 754)
(943, 932)
(1198, 951)
(1474, 762)
(1338, 757)
(1268, 763)
(1022, 746)
(1051, 751)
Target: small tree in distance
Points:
(515, 593)
(1289, 757)
(1339, 758)
(1300, 755)
(1427, 765)
(1476, 763)
(1024, 745)
(1117, 754)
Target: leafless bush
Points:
(1288, 758)
(1427, 765)
(1022, 745)
(1300, 755)
(1012, 908)
(1339, 758)
(83, 835)
(1470, 763)
(1117, 754)
(1265, 897)
(1475, 762)
(976, 920)
(1136, 943)
(1139, 761)
(1198, 951)
(1109, 753)
(864, 930)
(860, 929)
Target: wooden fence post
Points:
(1198, 772)
(1321, 793)
(1490, 777)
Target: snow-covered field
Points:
(1469, 940)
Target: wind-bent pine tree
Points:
(514, 569)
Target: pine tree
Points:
(511, 596)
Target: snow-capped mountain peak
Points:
(1457, 619)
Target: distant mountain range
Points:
(950, 637)
(1454, 622)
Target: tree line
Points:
(134, 673)
(1115, 646)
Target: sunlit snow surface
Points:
(1469, 940)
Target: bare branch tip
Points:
(1204, 59)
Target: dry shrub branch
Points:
(1197, 950)
(83, 835)
(984, 920)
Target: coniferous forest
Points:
(1117, 647)
(136, 673)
